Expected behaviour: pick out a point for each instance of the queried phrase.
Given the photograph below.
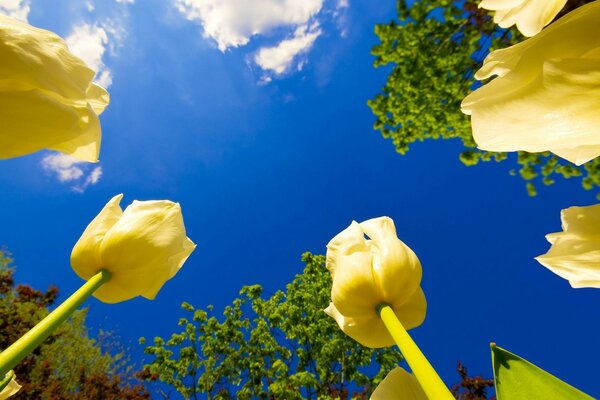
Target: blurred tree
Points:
(69, 365)
(434, 49)
(284, 347)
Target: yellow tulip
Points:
(370, 272)
(12, 388)
(142, 247)
(530, 16)
(547, 92)
(398, 385)
(47, 98)
(575, 252)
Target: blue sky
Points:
(271, 153)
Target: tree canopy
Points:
(280, 347)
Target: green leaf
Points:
(518, 379)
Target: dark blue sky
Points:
(265, 172)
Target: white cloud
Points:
(280, 58)
(231, 23)
(126, 1)
(89, 42)
(18, 9)
(71, 170)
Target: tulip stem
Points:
(432, 384)
(16, 352)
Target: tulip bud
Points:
(575, 252)
(47, 98)
(371, 272)
(142, 247)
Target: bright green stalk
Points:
(432, 384)
(10, 357)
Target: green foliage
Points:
(433, 49)
(69, 365)
(280, 347)
(518, 379)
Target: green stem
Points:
(432, 384)
(10, 357)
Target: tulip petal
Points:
(396, 268)
(368, 331)
(85, 257)
(351, 238)
(145, 248)
(530, 16)
(399, 385)
(412, 312)
(575, 252)
(547, 92)
(12, 388)
(354, 290)
(40, 121)
(47, 99)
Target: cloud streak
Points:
(18, 9)
(73, 171)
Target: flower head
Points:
(12, 388)
(530, 16)
(575, 252)
(370, 272)
(47, 98)
(546, 94)
(142, 247)
(399, 384)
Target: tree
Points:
(471, 388)
(69, 365)
(282, 347)
(433, 49)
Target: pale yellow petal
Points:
(583, 222)
(85, 145)
(575, 252)
(47, 98)
(399, 385)
(12, 388)
(368, 331)
(396, 268)
(412, 312)
(354, 290)
(145, 248)
(557, 111)
(580, 269)
(495, 5)
(32, 121)
(351, 239)
(530, 16)
(98, 98)
(85, 257)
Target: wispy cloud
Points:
(291, 27)
(73, 171)
(89, 42)
(232, 23)
(18, 9)
(279, 59)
